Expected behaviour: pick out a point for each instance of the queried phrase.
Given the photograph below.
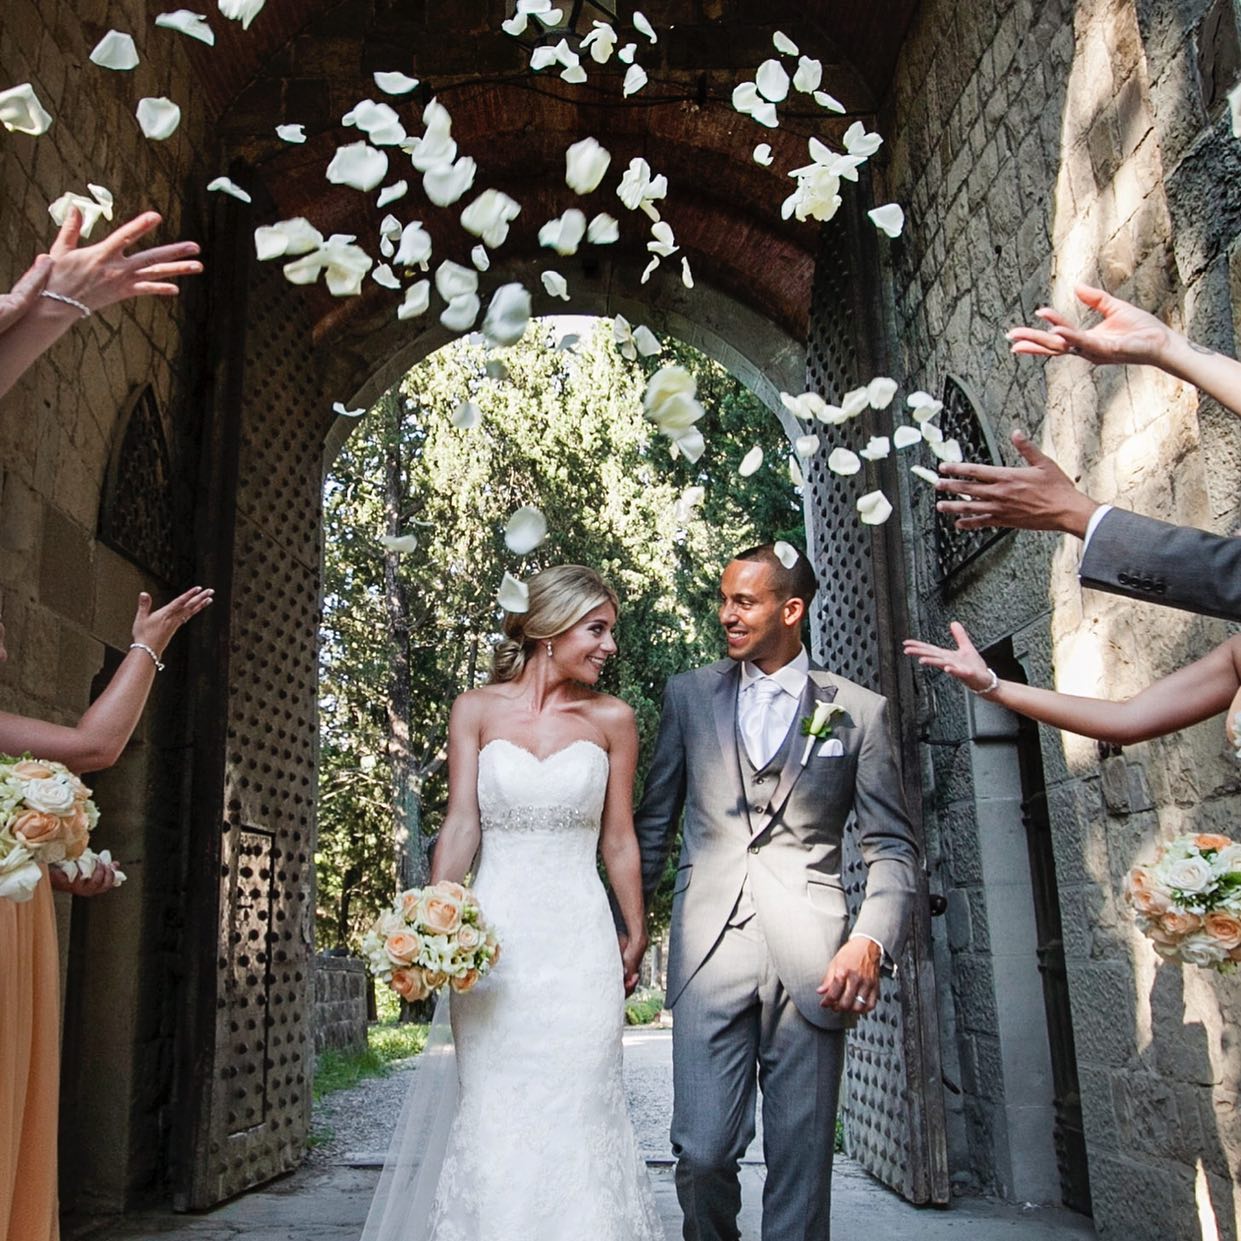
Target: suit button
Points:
(1124, 579)
(754, 848)
(760, 779)
(759, 809)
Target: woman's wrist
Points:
(989, 687)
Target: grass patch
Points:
(339, 1070)
(643, 1007)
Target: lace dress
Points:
(542, 1147)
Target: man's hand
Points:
(851, 984)
(1126, 335)
(102, 879)
(633, 949)
(1036, 496)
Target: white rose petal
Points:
(638, 186)
(642, 26)
(646, 342)
(344, 265)
(808, 405)
(745, 97)
(395, 83)
(516, 25)
(295, 134)
(556, 285)
(784, 44)
(889, 219)
(786, 553)
(947, 450)
(415, 247)
(378, 121)
(601, 41)
(460, 313)
(662, 241)
(243, 11)
(765, 114)
(488, 217)
(508, 315)
(751, 461)
(807, 445)
(586, 162)
(687, 276)
(855, 402)
(287, 237)
(808, 76)
(762, 154)
(358, 165)
(115, 51)
(19, 877)
(564, 233)
(880, 391)
(526, 529)
(795, 475)
(224, 185)
(452, 280)
(874, 508)
(400, 543)
(689, 500)
(495, 369)
(635, 80)
(446, 183)
(568, 342)
(927, 476)
(390, 193)
(384, 275)
(877, 448)
(158, 118)
(187, 22)
(339, 407)
(574, 74)
(417, 300)
(480, 258)
(92, 210)
(919, 399)
(858, 142)
(543, 58)
(932, 434)
(466, 416)
(603, 230)
(903, 437)
(514, 596)
(772, 80)
(627, 53)
(843, 462)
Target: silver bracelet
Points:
(142, 646)
(990, 689)
(81, 307)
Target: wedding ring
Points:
(858, 1002)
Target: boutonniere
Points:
(819, 725)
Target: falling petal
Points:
(556, 285)
(415, 247)
(496, 369)
(927, 476)
(784, 44)
(646, 342)
(466, 416)
(880, 391)
(359, 165)
(795, 475)
(115, 51)
(855, 401)
(383, 275)
(662, 241)
(586, 162)
(186, 22)
(649, 270)
(488, 217)
(603, 230)
(480, 258)
(762, 154)
(830, 102)
(395, 83)
(772, 80)
(889, 219)
(416, 302)
(635, 80)
(745, 97)
(452, 280)
(378, 121)
(446, 183)
(642, 26)
(903, 437)
(92, 210)
(543, 58)
(460, 313)
(627, 53)
(687, 276)
(339, 408)
(786, 553)
(342, 263)
(225, 186)
(508, 315)
(291, 133)
(874, 508)
(947, 450)
(832, 415)
(390, 193)
(932, 434)
(858, 142)
(808, 76)
(765, 114)
(568, 342)
(158, 118)
(574, 75)
(288, 237)
(689, 500)
(877, 448)
(243, 11)
(400, 543)
(601, 41)
(564, 233)
(807, 445)
(842, 461)
(526, 529)
(515, 26)
(919, 399)
(514, 596)
(751, 461)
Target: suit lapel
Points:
(724, 708)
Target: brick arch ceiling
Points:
(311, 60)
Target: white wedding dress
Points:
(540, 1146)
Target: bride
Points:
(529, 1138)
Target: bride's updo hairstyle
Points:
(559, 598)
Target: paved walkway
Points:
(327, 1199)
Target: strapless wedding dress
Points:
(541, 1146)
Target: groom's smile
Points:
(759, 623)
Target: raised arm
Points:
(1128, 336)
(460, 834)
(1187, 696)
(98, 738)
(617, 843)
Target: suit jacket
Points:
(788, 847)
(1175, 565)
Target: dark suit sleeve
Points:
(663, 794)
(1178, 566)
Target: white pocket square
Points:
(833, 747)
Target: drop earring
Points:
(549, 650)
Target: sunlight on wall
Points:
(1208, 1229)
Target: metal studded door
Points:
(892, 1094)
(246, 1046)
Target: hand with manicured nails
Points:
(1124, 336)
(965, 663)
(155, 629)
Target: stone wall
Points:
(340, 989)
(1035, 146)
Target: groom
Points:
(764, 973)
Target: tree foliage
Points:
(561, 430)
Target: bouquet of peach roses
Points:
(46, 815)
(1188, 901)
(431, 936)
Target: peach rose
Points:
(1139, 879)
(1209, 840)
(402, 947)
(469, 937)
(33, 827)
(453, 891)
(1178, 922)
(410, 985)
(1150, 902)
(1224, 928)
(443, 916)
(465, 982)
(28, 769)
(434, 979)
(409, 902)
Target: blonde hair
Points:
(559, 598)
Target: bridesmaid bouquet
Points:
(1188, 901)
(431, 936)
(46, 815)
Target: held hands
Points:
(851, 984)
(632, 949)
(965, 663)
(1126, 334)
(1036, 496)
(155, 629)
(102, 879)
(25, 293)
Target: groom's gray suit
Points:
(758, 913)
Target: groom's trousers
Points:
(734, 1022)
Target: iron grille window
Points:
(962, 420)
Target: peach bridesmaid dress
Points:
(29, 1067)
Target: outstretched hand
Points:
(1126, 335)
(1036, 496)
(25, 293)
(965, 663)
(155, 629)
(103, 274)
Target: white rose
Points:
(1201, 950)
(53, 796)
(18, 882)
(1189, 875)
(1227, 861)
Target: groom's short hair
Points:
(799, 582)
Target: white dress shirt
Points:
(768, 703)
(1093, 524)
